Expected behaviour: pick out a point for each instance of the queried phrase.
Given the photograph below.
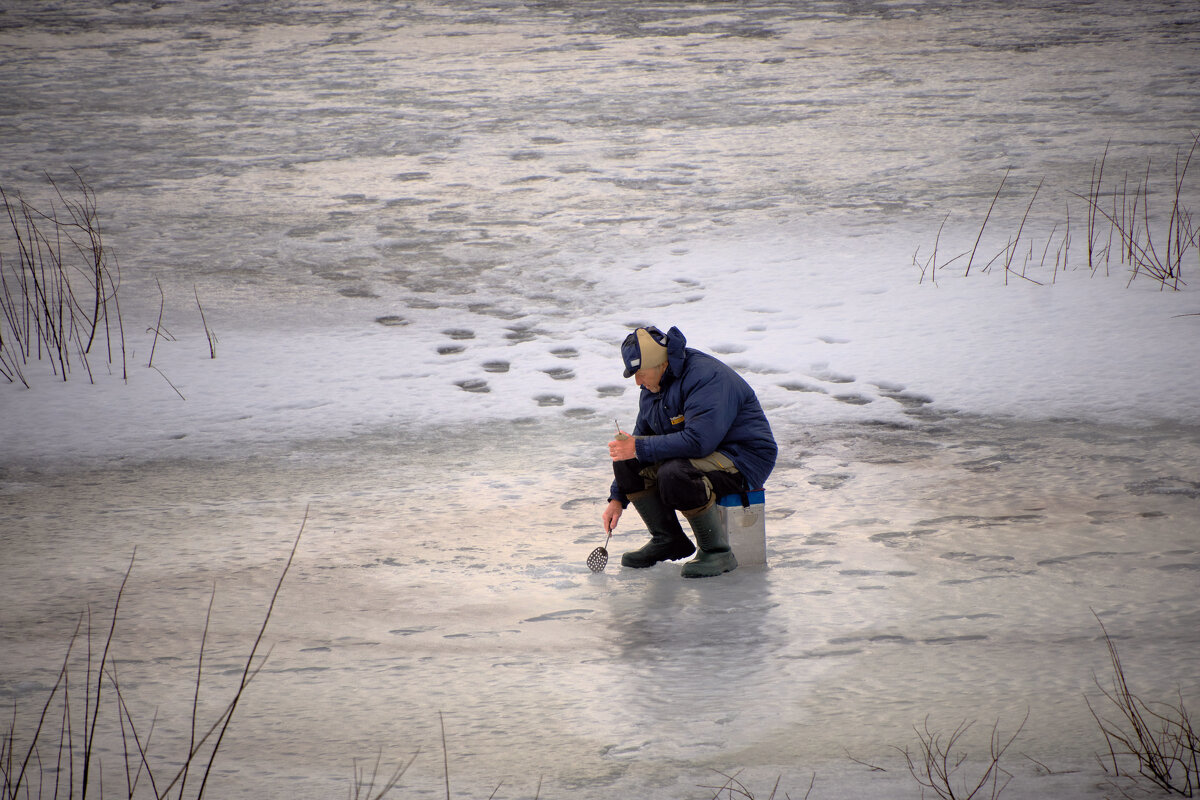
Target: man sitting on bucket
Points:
(700, 434)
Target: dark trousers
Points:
(680, 483)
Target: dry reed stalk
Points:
(162, 301)
(1096, 182)
(208, 334)
(364, 792)
(986, 217)
(1020, 228)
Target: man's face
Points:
(650, 378)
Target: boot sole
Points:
(646, 564)
(727, 565)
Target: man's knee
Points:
(682, 485)
(629, 475)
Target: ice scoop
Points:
(597, 560)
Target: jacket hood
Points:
(676, 350)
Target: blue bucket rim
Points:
(757, 497)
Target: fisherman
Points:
(700, 434)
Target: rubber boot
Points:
(667, 542)
(714, 557)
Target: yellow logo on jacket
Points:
(677, 420)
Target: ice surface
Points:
(419, 234)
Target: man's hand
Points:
(612, 513)
(622, 448)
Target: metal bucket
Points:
(744, 517)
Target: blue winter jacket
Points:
(702, 407)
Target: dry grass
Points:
(58, 286)
(1120, 227)
(59, 758)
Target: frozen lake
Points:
(420, 231)
(949, 570)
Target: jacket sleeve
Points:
(710, 405)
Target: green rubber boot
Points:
(714, 557)
(667, 542)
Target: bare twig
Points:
(872, 767)
(1158, 739)
(937, 765)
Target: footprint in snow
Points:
(830, 376)
(904, 398)
(853, 399)
(474, 385)
(830, 481)
(519, 334)
(576, 502)
(391, 321)
(795, 386)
